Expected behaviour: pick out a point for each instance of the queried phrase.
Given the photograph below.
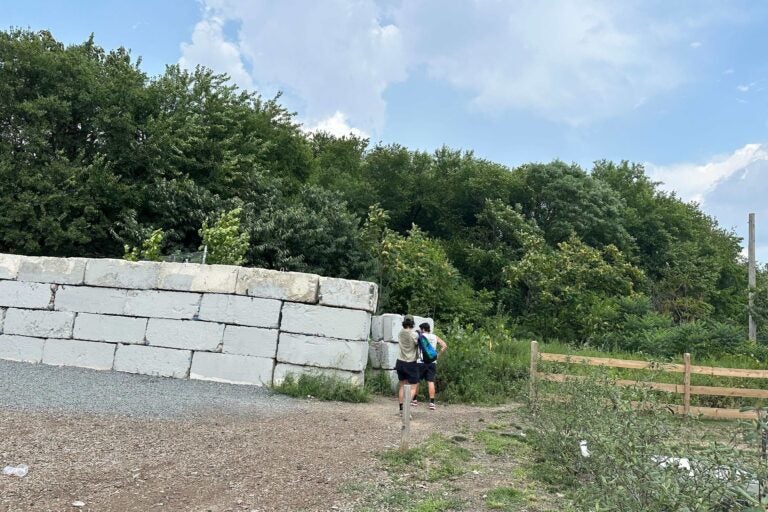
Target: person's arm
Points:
(441, 344)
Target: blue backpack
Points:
(428, 352)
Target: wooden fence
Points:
(686, 389)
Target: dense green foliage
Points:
(95, 156)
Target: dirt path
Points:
(296, 459)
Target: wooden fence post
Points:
(687, 384)
(405, 431)
(533, 376)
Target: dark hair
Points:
(408, 322)
(425, 327)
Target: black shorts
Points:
(407, 371)
(428, 372)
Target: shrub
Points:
(322, 387)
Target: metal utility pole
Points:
(752, 278)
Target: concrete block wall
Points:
(383, 349)
(208, 322)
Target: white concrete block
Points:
(122, 274)
(38, 323)
(161, 304)
(273, 284)
(2, 319)
(231, 368)
(85, 354)
(193, 277)
(391, 325)
(376, 328)
(25, 295)
(21, 348)
(185, 334)
(86, 299)
(110, 328)
(348, 294)
(348, 324)
(44, 269)
(160, 362)
(322, 352)
(383, 354)
(9, 266)
(240, 310)
(250, 341)
(282, 370)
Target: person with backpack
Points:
(428, 359)
(406, 366)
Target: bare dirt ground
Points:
(292, 459)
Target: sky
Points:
(681, 87)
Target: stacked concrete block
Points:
(209, 322)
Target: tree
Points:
(225, 241)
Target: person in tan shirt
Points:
(406, 366)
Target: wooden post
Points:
(687, 384)
(751, 277)
(406, 428)
(534, 361)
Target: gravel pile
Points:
(43, 388)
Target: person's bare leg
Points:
(431, 391)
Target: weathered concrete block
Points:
(2, 319)
(85, 354)
(110, 328)
(376, 328)
(231, 368)
(25, 295)
(348, 294)
(250, 341)
(282, 370)
(192, 277)
(322, 352)
(111, 273)
(38, 323)
(383, 354)
(86, 299)
(43, 269)
(239, 310)
(21, 348)
(160, 362)
(391, 325)
(161, 304)
(185, 334)
(272, 284)
(325, 321)
(9, 266)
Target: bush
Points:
(481, 365)
(322, 387)
(625, 440)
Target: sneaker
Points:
(414, 403)
(431, 406)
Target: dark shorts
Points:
(428, 372)
(407, 371)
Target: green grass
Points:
(436, 459)
(497, 444)
(504, 498)
(322, 387)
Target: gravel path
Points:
(38, 387)
(120, 442)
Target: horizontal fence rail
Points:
(685, 389)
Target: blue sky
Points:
(679, 86)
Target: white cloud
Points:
(210, 49)
(336, 125)
(696, 44)
(745, 87)
(570, 62)
(692, 182)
